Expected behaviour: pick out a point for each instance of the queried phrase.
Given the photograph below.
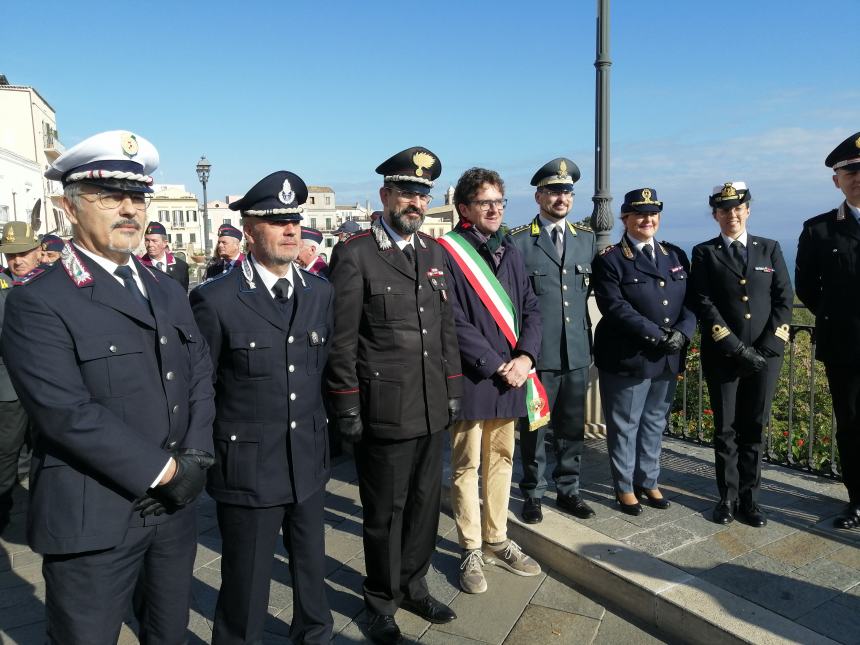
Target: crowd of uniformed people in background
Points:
(133, 397)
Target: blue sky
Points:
(702, 92)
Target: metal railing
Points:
(797, 435)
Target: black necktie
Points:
(558, 241)
(648, 250)
(127, 276)
(739, 255)
(409, 252)
(282, 290)
(160, 266)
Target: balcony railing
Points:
(801, 427)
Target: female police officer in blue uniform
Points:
(640, 286)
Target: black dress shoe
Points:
(574, 505)
(532, 513)
(383, 630)
(629, 509)
(752, 514)
(849, 518)
(654, 502)
(429, 609)
(724, 512)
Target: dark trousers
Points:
(400, 486)
(844, 383)
(566, 392)
(88, 595)
(248, 549)
(741, 409)
(13, 430)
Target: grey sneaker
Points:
(510, 556)
(471, 572)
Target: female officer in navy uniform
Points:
(741, 293)
(640, 286)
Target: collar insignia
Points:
(74, 266)
(423, 161)
(625, 248)
(379, 234)
(535, 227)
(857, 142)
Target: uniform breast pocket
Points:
(252, 354)
(539, 282)
(844, 261)
(583, 274)
(633, 286)
(388, 300)
(108, 362)
(318, 341)
(382, 392)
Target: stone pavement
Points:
(545, 609)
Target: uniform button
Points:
(566, 319)
(424, 331)
(744, 298)
(564, 287)
(290, 339)
(665, 302)
(662, 283)
(163, 340)
(252, 344)
(172, 444)
(426, 354)
(292, 368)
(293, 425)
(232, 437)
(482, 361)
(421, 309)
(564, 271)
(420, 287)
(170, 376)
(175, 409)
(665, 320)
(376, 373)
(635, 279)
(388, 288)
(566, 303)
(742, 281)
(292, 396)
(747, 316)
(112, 349)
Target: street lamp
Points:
(203, 167)
(601, 216)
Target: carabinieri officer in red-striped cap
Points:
(268, 326)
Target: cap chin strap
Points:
(274, 211)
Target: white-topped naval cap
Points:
(737, 185)
(112, 155)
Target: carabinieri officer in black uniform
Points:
(827, 277)
(558, 256)
(395, 383)
(268, 325)
(639, 346)
(741, 293)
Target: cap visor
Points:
(415, 187)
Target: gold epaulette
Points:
(782, 333)
(607, 249)
(582, 227)
(518, 229)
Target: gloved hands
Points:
(183, 488)
(349, 425)
(749, 360)
(672, 341)
(454, 408)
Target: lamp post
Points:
(601, 216)
(203, 167)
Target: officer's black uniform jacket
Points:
(271, 440)
(176, 268)
(637, 298)
(562, 288)
(395, 344)
(111, 389)
(752, 307)
(827, 278)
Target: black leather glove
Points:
(749, 360)
(454, 408)
(188, 480)
(672, 341)
(148, 505)
(349, 425)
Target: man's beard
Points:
(133, 239)
(404, 225)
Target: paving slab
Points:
(545, 625)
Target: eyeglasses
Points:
(409, 195)
(113, 199)
(484, 204)
(558, 193)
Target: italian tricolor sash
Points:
(498, 303)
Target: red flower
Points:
(800, 443)
(785, 433)
(693, 350)
(707, 411)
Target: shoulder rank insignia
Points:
(518, 229)
(782, 333)
(607, 249)
(718, 332)
(581, 227)
(74, 266)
